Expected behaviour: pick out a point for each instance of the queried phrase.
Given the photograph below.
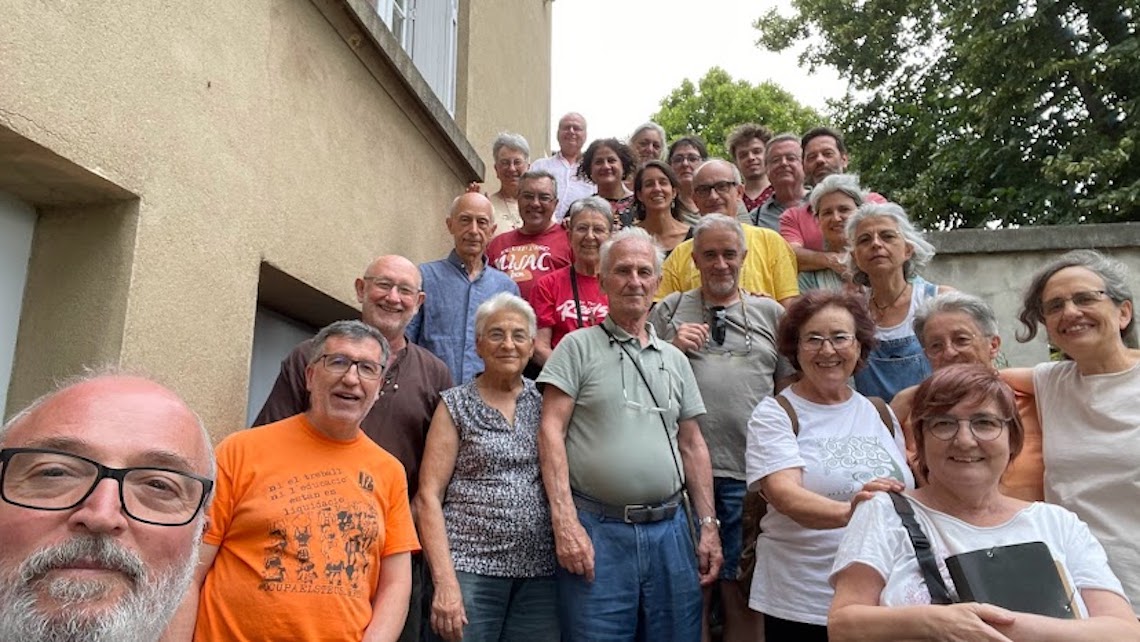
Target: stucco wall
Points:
(248, 131)
(998, 264)
(507, 76)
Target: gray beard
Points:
(140, 616)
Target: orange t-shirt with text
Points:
(303, 524)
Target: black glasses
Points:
(44, 479)
(545, 199)
(946, 427)
(1086, 299)
(724, 188)
(339, 364)
(691, 159)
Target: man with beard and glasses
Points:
(103, 484)
(390, 293)
(310, 534)
(729, 337)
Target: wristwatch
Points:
(705, 521)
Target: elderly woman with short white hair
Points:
(512, 159)
(834, 200)
(481, 509)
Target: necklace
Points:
(882, 308)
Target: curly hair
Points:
(624, 154)
(810, 304)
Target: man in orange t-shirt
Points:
(310, 533)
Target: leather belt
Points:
(631, 513)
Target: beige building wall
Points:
(504, 89)
(176, 147)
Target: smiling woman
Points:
(1090, 421)
(814, 470)
(967, 431)
(608, 162)
(481, 510)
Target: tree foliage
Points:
(717, 104)
(976, 112)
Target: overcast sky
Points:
(662, 42)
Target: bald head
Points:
(390, 263)
(115, 413)
(717, 188)
(471, 223)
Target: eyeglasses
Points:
(640, 407)
(598, 230)
(505, 163)
(1084, 300)
(692, 159)
(339, 364)
(724, 188)
(838, 341)
(44, 479)
(545, 199)
(983, 427)
(960, 342)
(384, 286)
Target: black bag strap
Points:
(577, 301)
(939, 594)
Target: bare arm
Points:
(1020, 379)
(1110, 618)
(785, 491)
(571, 543)
(811, 260)
(181, 627)
(698, 480)
(856, 614)
(448, 616)
(390, 606)
(542, 345)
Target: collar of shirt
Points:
(624, 337)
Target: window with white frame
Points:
(427, 30)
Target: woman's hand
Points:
(474, 188)
(877, 485)
(447, 614)
(969, 621)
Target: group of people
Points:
(554, 433)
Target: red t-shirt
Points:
(553, 301)
(527, 257)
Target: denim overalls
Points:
(897, 363)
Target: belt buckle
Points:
(628, 507)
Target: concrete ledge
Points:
(373, 43)
(41, 177)
(1032, 239)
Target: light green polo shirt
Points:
(616, 445)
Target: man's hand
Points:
(574, 548)
(691, 336)
(474, 188)
(709, 554)
(836, 263)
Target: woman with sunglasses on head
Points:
(1088, 403)
(815, 451)
(685, 155)
(967, 431)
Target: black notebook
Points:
(1019, 577)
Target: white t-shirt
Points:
(840, 447)
(876, 537)
(1090, 430)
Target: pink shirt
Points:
(799, 226)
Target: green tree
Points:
(717, 104)
(975, 112)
